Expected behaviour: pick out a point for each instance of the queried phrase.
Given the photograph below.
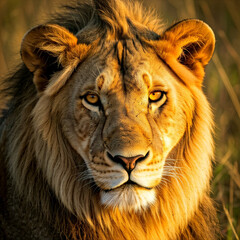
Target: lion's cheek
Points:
(171, 132)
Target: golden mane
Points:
(183, 209)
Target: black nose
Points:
(128, 163)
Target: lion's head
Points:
(119, 125)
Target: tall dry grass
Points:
(222, 80)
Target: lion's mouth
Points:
(129, 184)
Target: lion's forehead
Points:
(123, 68)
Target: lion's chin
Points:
(128, 198)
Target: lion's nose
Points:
(128, 163)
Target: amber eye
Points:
(156, 96)
(92, 99)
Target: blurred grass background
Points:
(222, 82)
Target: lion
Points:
(107, 132)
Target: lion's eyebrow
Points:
(160, 85)
(88, 87)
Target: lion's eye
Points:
(92, 98)
(156, 96)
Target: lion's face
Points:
(123, 118)
(122, 104)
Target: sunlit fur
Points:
(41, 164)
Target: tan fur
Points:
(61, 181)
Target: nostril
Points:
(129, 163)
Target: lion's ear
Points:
(49, 48)
(187, 48)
